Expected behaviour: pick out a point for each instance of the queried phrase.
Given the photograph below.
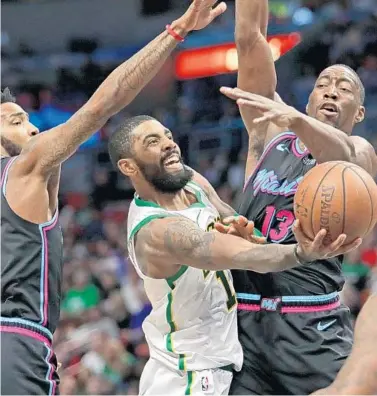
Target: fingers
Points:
(269, 116)
(337, 243)
(235, 93)
(221, 228)
(218, 10)
(347, 248)
(299, 234)
(242, 220)
(258, 240)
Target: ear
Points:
(306, 108)
(360, 115)
(127, 167)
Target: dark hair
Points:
(6, 96)
(358, 81)
(120, 142)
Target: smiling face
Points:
(16, 129)
(156, 158)
(337, 98)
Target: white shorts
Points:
(158, 379)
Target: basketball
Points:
(337, 196)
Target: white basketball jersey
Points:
(193, 323)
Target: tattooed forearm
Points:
(116, 92)
(181, 241)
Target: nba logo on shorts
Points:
(205, 383)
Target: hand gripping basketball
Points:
(310, 250)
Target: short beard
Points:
(11, 148)
(166, 182)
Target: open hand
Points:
(201, 13)
(279, 113)
(239, 226)
(311, 250)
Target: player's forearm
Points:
(325, 142)
(256, 66)
(116, 92)
(185, 242)
(358, 376)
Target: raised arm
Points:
(325, 142)
(176, 240)
(256, 70)
(53, 147)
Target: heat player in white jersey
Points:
(192, 329)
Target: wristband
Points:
(174, 34)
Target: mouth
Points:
(173, 162)
(329, 109)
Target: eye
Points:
(17, 123)
(320, 85)
(152, 142)
(345, 89)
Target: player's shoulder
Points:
(365, 153)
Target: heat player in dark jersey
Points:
(295, 333)
(31, 240)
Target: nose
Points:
(168, 145)
(331, 93)
(33, 130)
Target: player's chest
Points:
(204, 217)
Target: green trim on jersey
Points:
(145, 221)
(190, 375)
(257, 233)
(169, 316)
(177, 275)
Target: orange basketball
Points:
(338, 196)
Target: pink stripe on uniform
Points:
(45, 281)
(25, 332)
(9, 163)
(314, 308)
(248, 307)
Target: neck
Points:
(172, 201)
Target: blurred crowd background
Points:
(54, 67)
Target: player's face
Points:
(335, 99)
(158, 158)
(16, 129)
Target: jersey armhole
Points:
(131, 240)
(4, 176)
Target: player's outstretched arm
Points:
(325, 142)
(117, 91)
(177, 240)
(358, 376)
(256, 70)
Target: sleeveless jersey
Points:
(268, 201)
(193, 322)
(31, 265)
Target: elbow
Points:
(246, 40)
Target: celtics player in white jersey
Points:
(192, 329)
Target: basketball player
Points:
(292, 321)
(358, 376)
(31, 240)
(191, 331)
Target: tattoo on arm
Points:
(184, 238)
(116, 92)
